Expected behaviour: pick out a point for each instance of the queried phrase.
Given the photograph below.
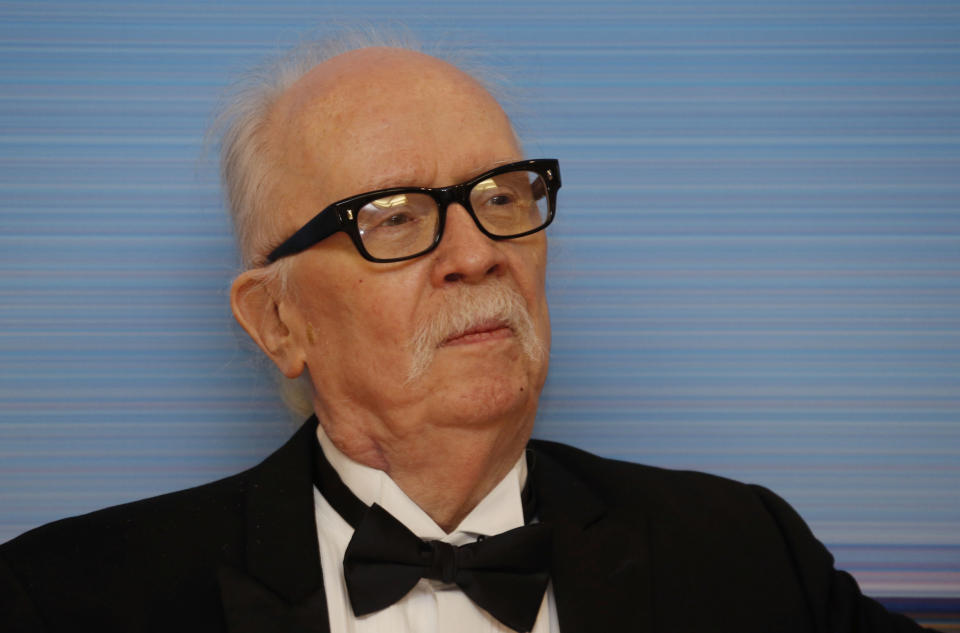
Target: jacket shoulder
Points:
(197, 514)
(145, 565)
(621, 483)
(120, 563)
(117, 526)
(713, 536)
(133, 548)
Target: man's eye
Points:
(396, 220)
(384, 221)
(501, 200)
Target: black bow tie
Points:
(505, 574)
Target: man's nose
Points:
(465, 253)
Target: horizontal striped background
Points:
(755, 269)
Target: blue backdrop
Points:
(755, 269)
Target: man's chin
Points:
(485, 398)
(488, 369)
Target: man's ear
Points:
(264, 317)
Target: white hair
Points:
(246, 173)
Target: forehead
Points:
(376, 118)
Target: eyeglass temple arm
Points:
(323, 225)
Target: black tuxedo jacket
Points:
(636, 549)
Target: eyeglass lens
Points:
(405, 224)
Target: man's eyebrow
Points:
(494, 165)
(409, 179)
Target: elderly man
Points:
(393, 230)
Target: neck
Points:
(446, 471)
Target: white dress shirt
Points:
(431, 606)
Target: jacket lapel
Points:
(281, 588)
(600, 571)
(601, 567)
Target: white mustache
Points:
(469, 307)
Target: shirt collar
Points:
(499, 511)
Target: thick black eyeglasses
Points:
(390, 225)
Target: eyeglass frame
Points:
(340, 215)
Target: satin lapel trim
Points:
(283, 580)
(601, 564)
